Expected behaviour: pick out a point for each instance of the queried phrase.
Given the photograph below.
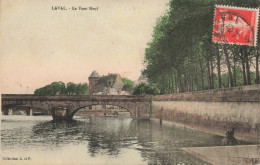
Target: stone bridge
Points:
(65, 106)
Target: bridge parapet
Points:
(6, 97)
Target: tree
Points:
(144, 89)
(58, 88)
(81, 88)
(52, 89)
(71, 88)
(127, 81)
(128, 85)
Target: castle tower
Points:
(93, 79)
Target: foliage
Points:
(71, 88)
(52, 89)
(128, 85)
(82, 88)
(239, 78)
(144, 89)
(57, 88)
(128, 82)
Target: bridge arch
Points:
(14, 109)
(76, 110)
(28, 109)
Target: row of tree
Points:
(182, 57)
(57, 88)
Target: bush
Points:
(146, 89)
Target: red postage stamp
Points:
(233, 25)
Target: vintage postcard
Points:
(129, 82)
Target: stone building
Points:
(111, 84)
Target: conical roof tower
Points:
(94, 74)
(93, 79)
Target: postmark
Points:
(235, 25)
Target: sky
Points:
(39, 45)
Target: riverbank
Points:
(202, 129)
(228, 155)
(180, 125)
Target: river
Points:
(98, 140)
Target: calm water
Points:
(98, 140)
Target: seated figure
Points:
(229, 139)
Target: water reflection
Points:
(110, 136)
(97, 134)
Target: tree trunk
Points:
(228, 66)
(208, 75)
(196, 78)
(218, 68)
(169, 84)
(185, 84)
(243, 69)
(201, 74)
(176, 84)
(172, 78)
(248, 71)
(257, 67)
(234, 72)
(212, 75)
(180, 88)
(191, 84)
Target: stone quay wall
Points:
(213, 111)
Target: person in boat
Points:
(229, 139)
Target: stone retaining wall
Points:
(214, 111)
